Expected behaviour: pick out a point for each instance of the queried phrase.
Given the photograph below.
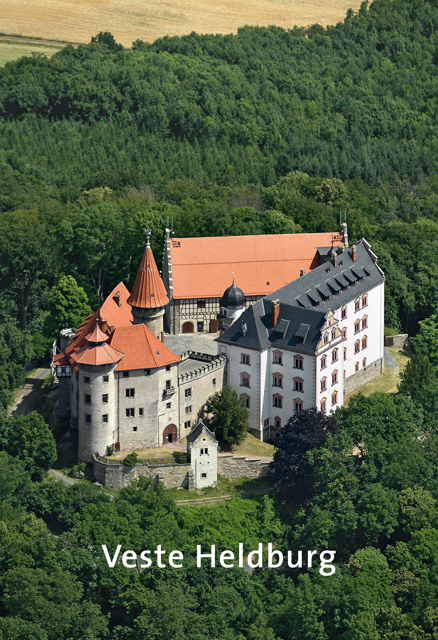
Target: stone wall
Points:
(364, 375)
(242, 467)
(117, 476)
(397, 342)
(173, 476)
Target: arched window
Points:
(357, 326)
(277, 422)
(364, 342)
(326, 338)
(277, 380)
(335, 355)
(357, 346)
(345, 353)
(334, 334)
(277, 401)
(334, 377)
(344, 333)
(245, 380)
(364, 363)
(334, 398)
(277, 357)
(344, 312)
(365, 300)
(323, 362)
(298, 362)
(323, 404)
(357, 304)
(298, 384)
(364, 322)
(323, 384)
(356, 366)
(298, 404)
(245, 400)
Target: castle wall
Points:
(242, 467)
(358, 379)
(397, 342)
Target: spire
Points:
(148, 291)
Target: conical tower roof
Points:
(97, 335)
(148, 291)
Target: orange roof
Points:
(148, 291)
(97, 335)
(96, 355)
(141, 348)
(114, 310)
(60, 359)
(203, 267)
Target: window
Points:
(87, 398)
(147, 372)
(364, 322)
(134, 428)
(244, 358)
(357, 305)
(105, 379)
(188, 392)
(323, 404)
(345, 353)
(189, 409)
(365, 300)
(168, 367)
(364, 363)
(334, 377)
(140, 412)
(126, 374)
(105, 398)
(326, 338)
(244, 380)
(357, 346)
(298, 405)
(334, 398)
(129, 393)
(201, 452)
(130, 413)
(187, 424)
(266, 422)
(203, 475)
(298, 362)
(334, 334)
(335, 355)
(356, 366)
(201, 304)
(244, 400)
(168, 383)
(168, 405)
(206, 451)
(105, 417)
(324, 384)
(343, 315)
(344, 334)
(277, 422)
(87, 379)
(323, 362)
(278, 358)
(364, 342)
(345, 375)
(213, 381)
(357, 326)
(298, 384)
(277, 380)
(277, 401)
(87, 418)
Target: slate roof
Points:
(200, 427)
(304, 304)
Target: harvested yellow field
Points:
(129, 20)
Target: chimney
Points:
(302, 272)
(275, 310)
(335, 260)
(162, 336)
(345, 234)
(353, 253)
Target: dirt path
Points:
(61, 477)
(28, 391)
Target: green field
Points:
(11, 50)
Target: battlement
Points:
(212, 363)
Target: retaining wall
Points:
(364, 375)
(397, 342)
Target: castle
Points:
(126, 384)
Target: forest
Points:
(266, 131)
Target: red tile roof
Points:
(89, 353)
(203, 267)
(141, 348)
(148, 291)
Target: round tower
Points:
(148, 296)
(96, 362)
(232, 306)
